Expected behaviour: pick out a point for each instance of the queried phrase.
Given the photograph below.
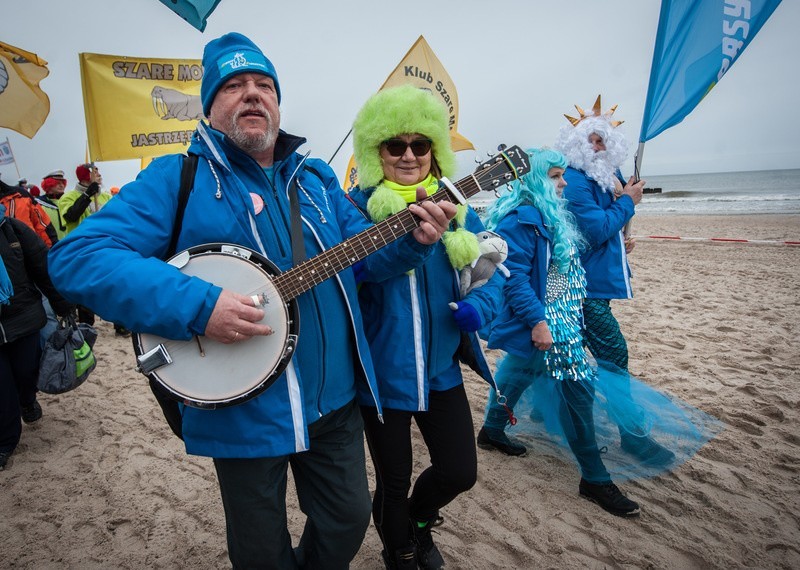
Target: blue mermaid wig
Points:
(536, 189)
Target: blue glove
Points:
(466, 316)
(359, 271)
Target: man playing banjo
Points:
(307, 418)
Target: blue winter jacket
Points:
(414, 339)
(600, 219)
(524, 292)
(112, 264)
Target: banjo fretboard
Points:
(508, 165)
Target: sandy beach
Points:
(100, 482)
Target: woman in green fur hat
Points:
(402, 148)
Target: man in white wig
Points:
(603, 203)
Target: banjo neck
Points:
(501, 169)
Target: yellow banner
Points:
(139, 107)
(421, 67)
(350, 179)
(23, 105)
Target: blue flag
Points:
(697, 42)
(195, 12)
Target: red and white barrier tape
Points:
(734, 240)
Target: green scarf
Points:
(389, 198)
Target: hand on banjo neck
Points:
(236, 317)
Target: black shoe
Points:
(428, 555)
(647, 450)
(489, 438)
(609, 497)
(4, 457)
(122, 331)
(32, 413)
(403, 559)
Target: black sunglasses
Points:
(397, 147)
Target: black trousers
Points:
(450, 437)
(332, 489)
(19, 371)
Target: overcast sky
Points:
(518, 66)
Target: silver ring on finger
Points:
(236, 336)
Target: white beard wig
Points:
(573, 142)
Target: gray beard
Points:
(253, 143)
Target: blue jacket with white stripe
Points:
(113, 264)
(411, 330)
(600, 219)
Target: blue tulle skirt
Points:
(614, 426)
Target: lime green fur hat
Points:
(399, 111)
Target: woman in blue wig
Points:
(401, 141)
(540, 327)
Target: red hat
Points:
(49, 183)
(84, 172)
(33, 190)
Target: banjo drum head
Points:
(227, 374)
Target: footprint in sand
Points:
(673, 344)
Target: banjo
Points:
(207, 374)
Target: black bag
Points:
(67, 358)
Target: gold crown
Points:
(595, 113)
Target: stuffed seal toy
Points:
(493, 252)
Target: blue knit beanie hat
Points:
(231, 55)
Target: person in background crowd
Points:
(21, 205)
(23, 280)
(85, 199)
(54, 184)
(75, 206)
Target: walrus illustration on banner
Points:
(172, 104)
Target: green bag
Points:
(67, 358)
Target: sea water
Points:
(752, 192)
(722, 193)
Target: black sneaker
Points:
(403, 559)
(609, 497)
(4, 457)
(647, 450)
(32, 413)
(428, 555)
(489, 438)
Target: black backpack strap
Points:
(169, 407)
(296, 229)
(188, 171)
(312, 170)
